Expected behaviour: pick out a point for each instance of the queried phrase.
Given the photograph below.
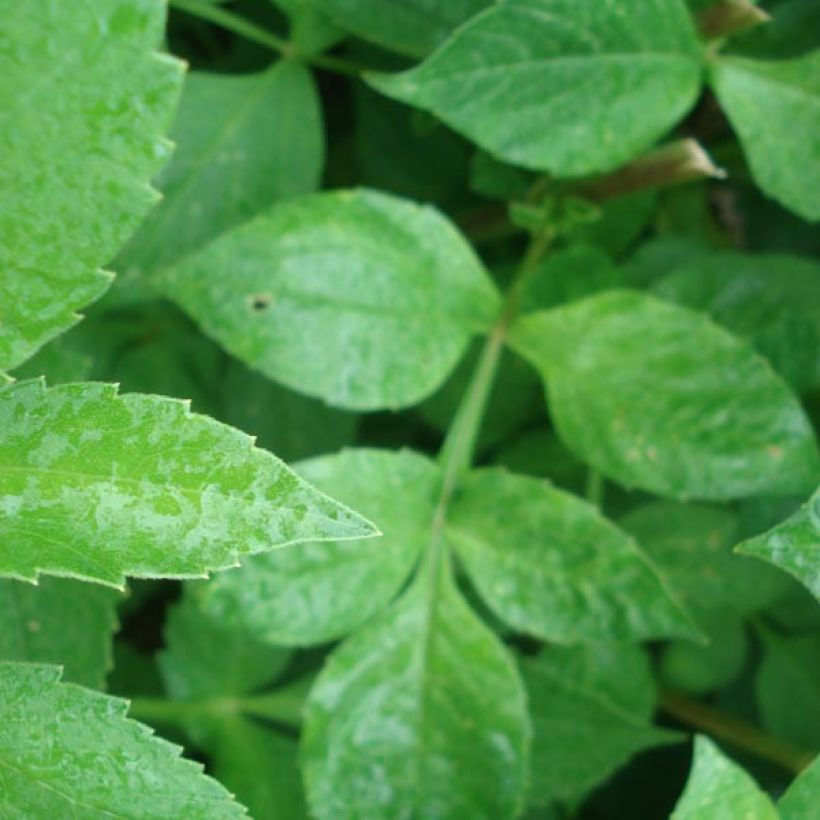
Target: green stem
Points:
(735, 732)
(233, 22)
(250, 31)
(281, 705)
(595, 487)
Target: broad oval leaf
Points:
(561, 87)
(794, 545)
(591, 710)
(321, 592)
(66, 751)
(775, 109)
(399, 719)
(360, 298)
(656, 396)
(553, 566)
(84, 101)
(59, 621)
(719, 789)
(243, 142)
(99, 486)
(413, 27)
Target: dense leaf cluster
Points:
(526, 292)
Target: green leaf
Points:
(794, 545)
(692, 546)
(311, 30)
(800, 800)
(84, 101)
(554, 567)
(356, 297)
(261, 767)
(289, 424)
(399, 718)
(59, 621)
(209, 666)
(204, 657)
(551, 86)
(787, 688)
(655, 396)
(413, 27)
(591, 710)
(97, 486)
(775, 109)
(773, 300)
(243, 142)
(71, 752)
(719, 789)
(323, 591)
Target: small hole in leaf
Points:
(260, 302)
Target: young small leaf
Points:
(775, 109)
(66, 751)
(85, 101)
(59, 621)
(398, 719)
(656, 396)
(390, 288)
(321, 592)
(243, 142)
(794, 545)
(591, 709)
(99, 486)
(573, 89)
(719, 789)
(554, 567)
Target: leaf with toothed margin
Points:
(66, 751)
(61, 621)
(84, 100)
(99, 486)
